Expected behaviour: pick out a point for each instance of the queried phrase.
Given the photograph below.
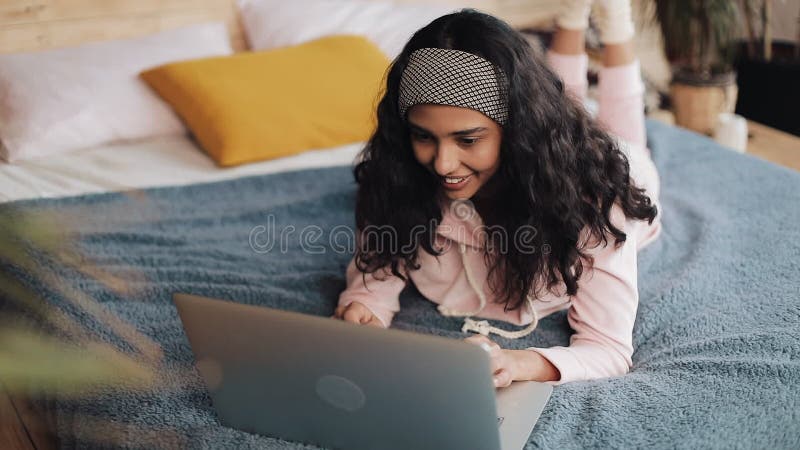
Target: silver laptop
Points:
(339, 385)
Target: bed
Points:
(717, 335)
(163, 161)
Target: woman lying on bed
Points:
(484, 156)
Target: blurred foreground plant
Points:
(43, 349)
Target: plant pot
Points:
(698, 101)
(769, 92)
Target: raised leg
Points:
(621, 94)
(567, 57)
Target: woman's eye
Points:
(469, 141)
(420, 137)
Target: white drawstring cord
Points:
(483, 327)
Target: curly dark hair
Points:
(560, 172)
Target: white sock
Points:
(574, 14)
(613, 18)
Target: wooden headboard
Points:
(27, 25)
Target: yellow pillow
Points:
(262, 105)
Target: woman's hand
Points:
(515, 365)
(357, 313)
(504, 367)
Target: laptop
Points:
(339, 385)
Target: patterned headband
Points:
(452, 77)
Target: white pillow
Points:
(58, 100)
(279, 23)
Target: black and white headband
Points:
(455, 78)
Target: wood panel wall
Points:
(27, 25)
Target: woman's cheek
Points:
(485, 158)
(423, 155)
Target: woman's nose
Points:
(446, 160)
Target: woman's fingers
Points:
(353, 315)
(499, 359)
(502, 378)
(482, 341)
(375, 322)
(501, 369)
(491, 347)
(357, 313)
(338, 311)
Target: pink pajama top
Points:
(603, 310)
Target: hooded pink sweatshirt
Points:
(603, 310)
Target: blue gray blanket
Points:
(717, 335)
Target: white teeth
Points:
(454, 180)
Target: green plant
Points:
(758, 10)
(758, 15)
(699, 35)
(44, 350)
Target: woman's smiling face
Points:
(460, 146)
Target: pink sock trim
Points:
(620, 81)
(572, 70)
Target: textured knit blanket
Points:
(717, 335)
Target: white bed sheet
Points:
(164, 161)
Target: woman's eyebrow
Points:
(454, 133)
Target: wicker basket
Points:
(697, 107)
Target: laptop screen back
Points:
(335, 384)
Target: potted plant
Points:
(768, 71)
(699, 42)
